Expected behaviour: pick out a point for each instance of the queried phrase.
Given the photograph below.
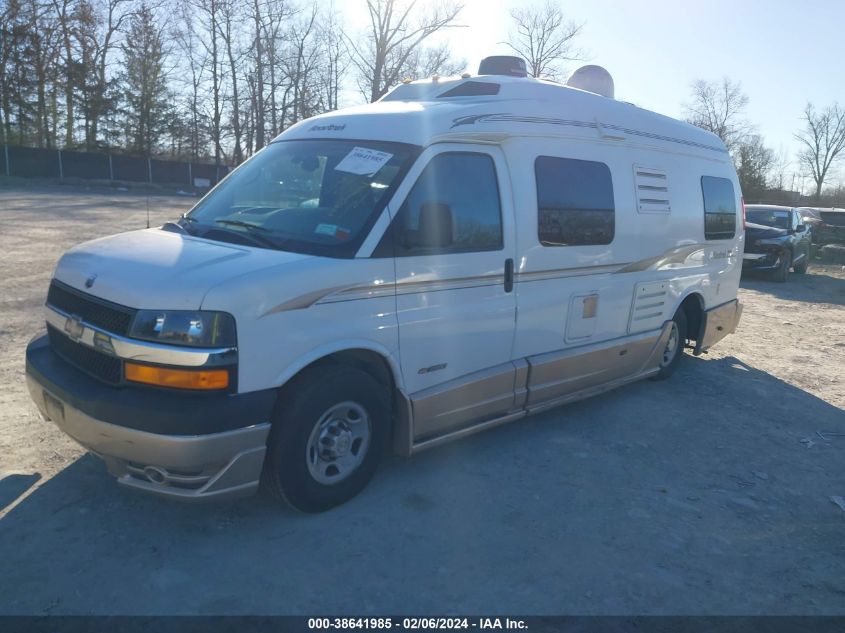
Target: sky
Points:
(783, 52)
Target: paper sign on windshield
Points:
(363, 162)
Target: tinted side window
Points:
(719, 208)
(575, 202)
(452, 208)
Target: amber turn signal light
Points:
(203, 379)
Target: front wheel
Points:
(329, 433)
(674, 349)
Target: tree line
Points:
(719, 107)
(199, 79)
(218, 79)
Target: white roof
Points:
(422, 113)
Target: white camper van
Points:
(458, 255)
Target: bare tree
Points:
(103, 98)
(433, 60)
(208, 14)
(64, 15)
(336, 59)
(228, 28)
(823, 141)
(754, 163)
(780, 165)
(544, 38)
(194, 59)
(719, 107)
(396, 32)
(300, 64)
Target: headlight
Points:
(185, 327)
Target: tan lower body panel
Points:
(218, 465)
(479, 396)
(558, 374)
(512, 390)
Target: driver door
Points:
(452, 240)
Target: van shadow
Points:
(15, 485)
(680, 496)
(813, 287)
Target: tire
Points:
(782, 272)
(321, 417)
(801, 268)
(674, 346)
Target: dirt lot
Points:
(706, 493)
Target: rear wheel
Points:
(674, 349)
(329, 433)
(782, 272)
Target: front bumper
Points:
(183, 446)
(769, 260)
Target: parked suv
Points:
(776, 239)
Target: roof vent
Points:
(593, 79)
(472, 89)
(503, 65)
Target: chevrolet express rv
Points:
(458, 255)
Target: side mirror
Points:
(800, 228)
(436, 228)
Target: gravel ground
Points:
(709, 493)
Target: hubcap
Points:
(672, 346)
(338, 443)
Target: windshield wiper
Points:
(254, 235)
(246, 225)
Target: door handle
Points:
(508, 275)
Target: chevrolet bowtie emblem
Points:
(74, 327)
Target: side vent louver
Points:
(652, 188)
(648, 307)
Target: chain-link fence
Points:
(31, 162)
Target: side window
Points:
(574, 202)
(719, 208)
(452, 208)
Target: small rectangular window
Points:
(574, 202)
(719, 208)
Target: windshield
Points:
(778, 218)
(314, 196)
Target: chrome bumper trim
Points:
(143, 351)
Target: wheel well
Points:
(377, 366)
(693, 307)
(363, 359)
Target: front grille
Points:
(97, 364)
(105, 315)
